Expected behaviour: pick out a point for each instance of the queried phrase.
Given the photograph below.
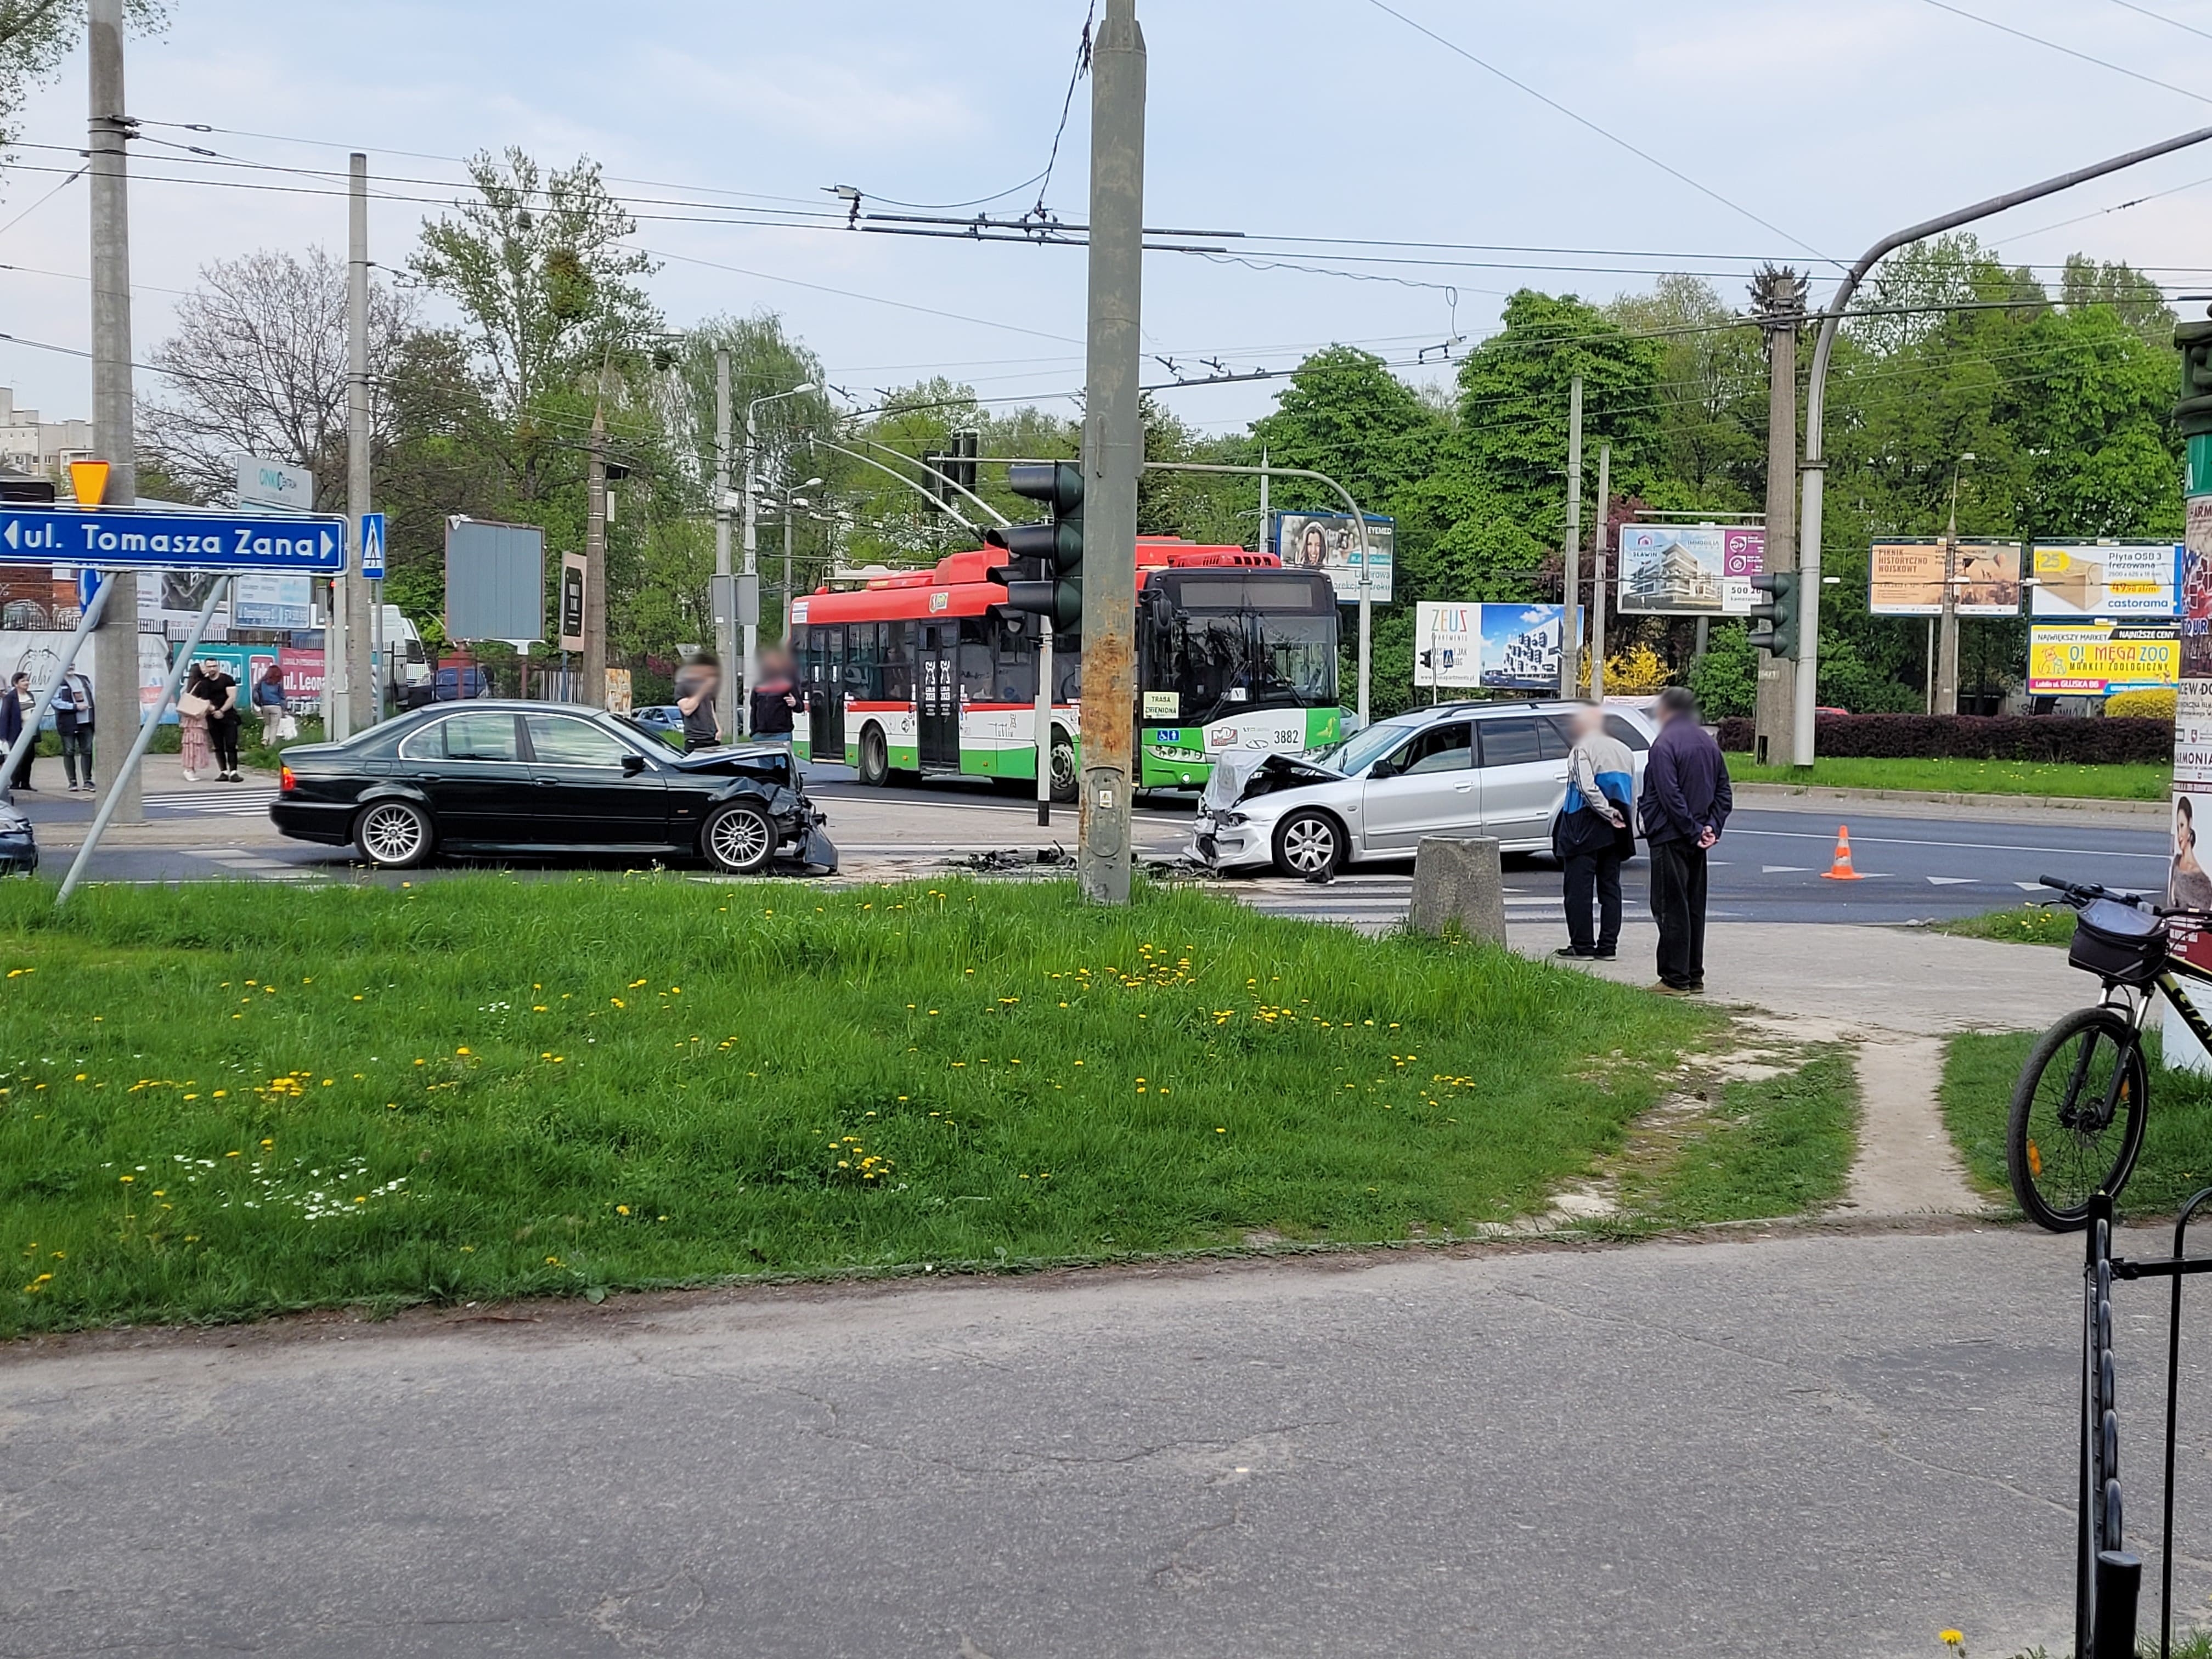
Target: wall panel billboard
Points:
(1905, 578)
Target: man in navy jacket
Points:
(1686, 805)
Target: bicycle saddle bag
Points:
(2119, 943)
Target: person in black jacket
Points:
(1686, 804)
(776, 699)
(16, 705)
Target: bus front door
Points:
(937, 699)
(826, 698)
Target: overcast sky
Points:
(1312, 119)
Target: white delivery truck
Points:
(407, 666)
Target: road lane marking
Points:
(1961, 845)
(1953, 881)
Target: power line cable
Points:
(48, 198)
(1067, 103)
(2053, 45)
(1610, 137)
(2160, 17)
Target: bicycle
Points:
(2076, 1124)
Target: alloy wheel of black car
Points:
(740, 838)
(393, 835)
(1309, 843)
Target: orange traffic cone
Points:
(1841, 869)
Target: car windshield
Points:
(1363, 749)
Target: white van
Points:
(407, 666)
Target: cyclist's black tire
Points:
(2055, 1169)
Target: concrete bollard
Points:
(1459, 883)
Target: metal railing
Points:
(2108, 1577)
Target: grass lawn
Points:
(2023, 924)
(224, 1100)
(2124, 780)
(1775, 1147)
(1978, 1073)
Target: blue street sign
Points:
(87, 584)
(372, 546)
(121, 538)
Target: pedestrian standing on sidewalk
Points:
(73, 718)
(193, 706)
(1593, 834)
(697, 684)
(223, 722)
(776, 699)
(1686, 804)
(15, 711)
(269, 703)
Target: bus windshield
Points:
(1248, 654)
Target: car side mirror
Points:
(632, 765)
(1385, 768)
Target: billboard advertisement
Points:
(2096, 659)
(1329, 541)
(2187, 882)
(1486, 647)
(264, 601)
(1906, 578)
(2106, 579)
(2194, 617)
(1689, 570)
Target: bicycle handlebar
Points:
(2080, 894)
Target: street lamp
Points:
(752, 538)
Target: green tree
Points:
(1726, 679)
(36, 35)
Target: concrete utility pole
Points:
(1777, 299)
(725, 693)
(743, 718)
(115, 646)
(1947, 638)
(595, 560)
(356, 702)
(1570, 632)
(1599, 542)
(1113, 453)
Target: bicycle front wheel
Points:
(2077, 1117)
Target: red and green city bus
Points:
(928, 673)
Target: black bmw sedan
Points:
(487, 776)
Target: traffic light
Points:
(2193, 413)
(1777, 632)
(1052, 586)
(952, 471)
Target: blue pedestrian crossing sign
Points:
(372, 546)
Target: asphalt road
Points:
(1812, 1446)
(1768, 867)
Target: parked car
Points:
(501, 776)
(1468, 768)
(19, 846)
(664, 718)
